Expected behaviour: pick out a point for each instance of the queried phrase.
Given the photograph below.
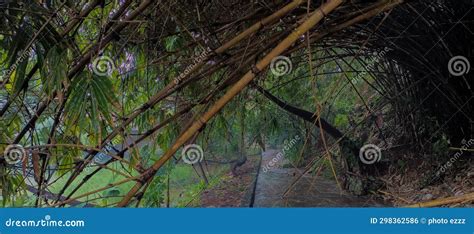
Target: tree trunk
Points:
(349, 149)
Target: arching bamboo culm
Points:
(309, 23)
(169, 88)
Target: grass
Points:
(98, 181)
(185, 185)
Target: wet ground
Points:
(308, 191)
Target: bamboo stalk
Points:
(157, 127)
(79, 66)
(315, 18)
(445, 201)
(165, 92)
(84, 13)
(257, 26)
(148, 133)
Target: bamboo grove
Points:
(181, 67)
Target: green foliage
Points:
(155, 196)
(54, 70)
(12, 187)
(341, 121)
(172, 43)
(90, 104)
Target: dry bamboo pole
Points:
(149, 132)
(257, 26)
(154, 129)
(389, 4)
(315, 18)
(371, 11)
(165, 92)
(444, 201)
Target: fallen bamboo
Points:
(315, 18)
(165, 92)
(445, 201)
